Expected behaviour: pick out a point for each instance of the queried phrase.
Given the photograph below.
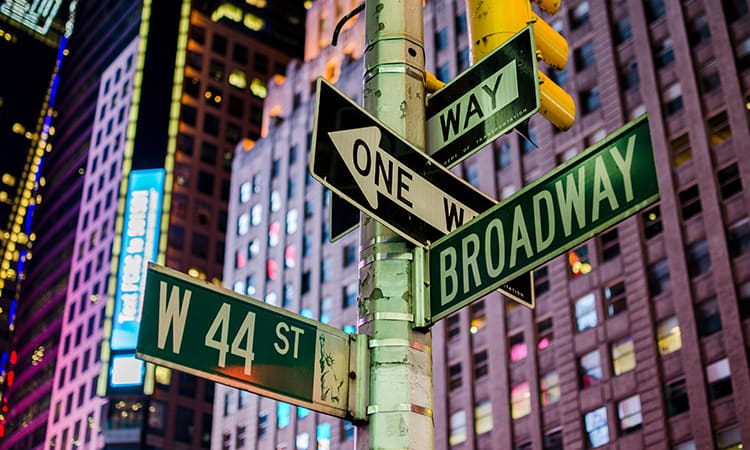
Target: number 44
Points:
(242, 344)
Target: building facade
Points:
(208, 62)
(639, 338)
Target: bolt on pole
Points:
(400, 402)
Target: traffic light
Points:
(493, 23)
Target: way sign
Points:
(487, 100)
(597, 189)
(370, 166)
(211, 332)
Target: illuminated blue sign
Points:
(140, 245)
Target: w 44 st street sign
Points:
(597, 189)
(217, 334)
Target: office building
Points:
(639, 338)
(144, 103)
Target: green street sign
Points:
(593, 191)
(214, 333)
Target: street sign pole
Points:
(399, 410)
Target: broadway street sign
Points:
(363, 161)
(597, 189)
(487, 100)
(217, 334)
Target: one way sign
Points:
(360, 159)
(363, 161)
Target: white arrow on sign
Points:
(377, 172)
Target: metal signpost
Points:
(486, 101)
(217, 334)
(595, 190)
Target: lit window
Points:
(673, 99)
(483, 417)
(458, 428)
(629, 413)
(256, 215)
(272, 299)
(689, 445)
(518, 349)
(589, 369)
(246, 192)
(728, 439)
(350, 295)
(681, 151)
(275, 201)
(544, 333)
(668, 336)
(478, 317)
(718, 379)
(550, 387)
(585, 308)
(579, 14)
(237, 78)
(239, 287)
(243, 224)
(292, 221)
(290, 256)
(323, 432)
(283, 411)
(520, 400)
(578, 260)
(274, 234)
(623, 356)
(718, 128)
(302, 442)
(597, 432)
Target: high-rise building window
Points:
(718, 378)
(718, 128)
(698, 30)
(676, 397)
(597, 431)
(589, 369)
(729, 179)
(623, 356)
(457, 427)
(219, 44)
(453, 325)
(262, 424)
(629, 414)
(520, 400)
(743, 298)
(623, 30)
(583, 56)
(707, 317)
(283, 414)
(680, 148)
(614, 298)
(477, 317)
(350, 254)
(518, 349)
(541, 280)
(585, 309)
(454, 376)
(441, 39)
(483, 417)
(698, 258)
(199, 245)
(481, 364)
(668, 336)
(503, 158)
(609, 243)
(183, 431)
(579, 14)
(654, 9)
(550, 387)
(545, 333)
(673, 99)
(652, 222)
(728, 439)
(578, 261)
(663, 53)
(590, 100)
(350, 295)
(553, 440)
(205, 182)
(658, 277)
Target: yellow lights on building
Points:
(237, 78)
(18, 128)
(3, 197)
(37, 356)
(9, 179)
(256, 3)
(235, 14)
(308, 4)
(258, 88)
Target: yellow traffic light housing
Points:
(493, 23)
